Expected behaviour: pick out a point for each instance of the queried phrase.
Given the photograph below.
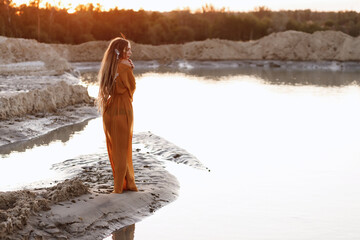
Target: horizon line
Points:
(204, 8)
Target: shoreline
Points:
(33, 105)
(55, 59)
(34, 125)
(82, 206)
(15, 131)
(144, 66)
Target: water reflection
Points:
(316, 78)
(272, 74)
(281, 76)
(125, 233)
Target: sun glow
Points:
(193, 5)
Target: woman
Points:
(116, 89)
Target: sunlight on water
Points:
(93, 90)
(244, 113)
(284, 160)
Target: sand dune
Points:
(289, 45)
(85, 52)
(33, 80)
(17, 50)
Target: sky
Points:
(234, 5)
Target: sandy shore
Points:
(32, 126)
(83, 206)
(34, 104)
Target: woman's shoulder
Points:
(125, 63)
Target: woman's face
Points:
(128, 52)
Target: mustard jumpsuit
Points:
(118, 128)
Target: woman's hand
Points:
(131, 63)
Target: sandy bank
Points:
(83, 207)
(25, 56)
(34, 105)
(48, 99)
(289, 45)
(85, 52)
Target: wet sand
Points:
(83, 206)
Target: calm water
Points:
(283, 149)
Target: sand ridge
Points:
(288, 45)
(47, 99)
(17, 50)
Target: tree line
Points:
(55, 25)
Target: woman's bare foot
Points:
(116, 192)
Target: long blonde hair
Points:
(113, 54)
